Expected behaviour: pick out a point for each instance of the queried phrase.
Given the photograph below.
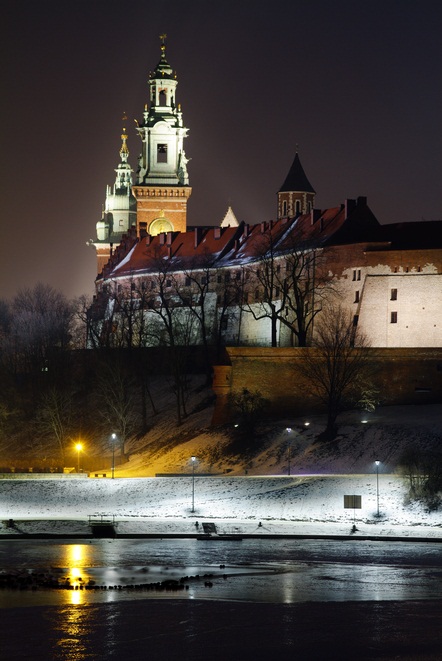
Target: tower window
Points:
(284, 208)
(298, 207)
(393, 295)
(393, 318)
(162, 153)
(162, 97)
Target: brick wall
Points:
(403, 376)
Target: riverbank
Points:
(290, 506)
(227, 529)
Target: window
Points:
(162, 153)
(357, 296)
(297, 207)
(187, 282)
(393, 295)
(284, 208)
(277, 290)
(355, 320)
(257, 295)
(359, 274)
(393, 318)
(219, 279)
(224, 323)
(238, 275)
(168, 283)
(204, 280)
(162, 97)
(227, 277)
(132, 286)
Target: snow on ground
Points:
(307, 504)
(242, 492)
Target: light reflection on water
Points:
(272, 571)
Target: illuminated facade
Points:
(236, 282)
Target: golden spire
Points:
(124, 149)
(163, 38)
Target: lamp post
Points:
(377, 486)
(79, 448)
(289, 450)
(113, 437)
(193, 459)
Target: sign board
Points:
(353, 502)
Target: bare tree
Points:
(338, 369)
(55, 418)
(40, 331)
(116, 400)
(287, 284)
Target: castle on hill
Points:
(251, 285)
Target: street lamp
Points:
(377, 485)
(289, 449)
(193, 459)
(114, 438)
(79, 448)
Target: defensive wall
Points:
(402, 376)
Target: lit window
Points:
(393, 318)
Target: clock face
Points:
(160, 225)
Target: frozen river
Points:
(264, 570)
(306, 599)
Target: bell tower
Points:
(119, 210)
(296, 195)
(162, 187)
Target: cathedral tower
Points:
(162, 188)
(119, 212)
(296, 195)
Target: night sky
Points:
(357, 85)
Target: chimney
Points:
(198, 234)
(169, 237)
(315, 214)
(162, 237)
(263, 227)
(217, 233)
(148, 239)
(349, 206)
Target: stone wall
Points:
(403, 376)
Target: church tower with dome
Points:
(162, 187)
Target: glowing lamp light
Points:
(78, 447)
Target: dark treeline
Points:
(54, 392)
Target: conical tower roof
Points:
(296, 180)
